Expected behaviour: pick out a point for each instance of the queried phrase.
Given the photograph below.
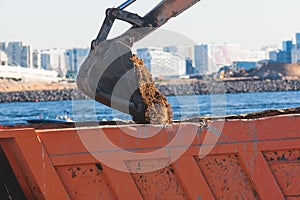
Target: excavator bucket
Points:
(108, 76)
(112, 76)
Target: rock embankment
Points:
(168, 89)
(242, 86)
(41, 95)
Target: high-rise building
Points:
(36, 59)
(287, 45)
(45, 60)
(297, 40)
(296, 50)
(75, 57)
(18, 54)
(26, 57)
(190, 69)
(273, 55)
(163, 64)
(14, 51)
(201, 58)
(2, 46)
(296, 55)
(284, 56)
(69, 59)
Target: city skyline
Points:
(65, 24)
(161, 43)
(192, 58)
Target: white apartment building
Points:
(161, 63)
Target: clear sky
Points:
(74, 23)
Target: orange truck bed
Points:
(247, 159)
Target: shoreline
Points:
(182, 87)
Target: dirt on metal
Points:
(157, 108)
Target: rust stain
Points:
(224, 169)
(85, 182)
(282, 155)
(160, 184)
(226, 177)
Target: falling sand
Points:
(157, 108)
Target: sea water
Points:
(183, 107)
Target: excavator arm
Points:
(157, 17)
(107, 74)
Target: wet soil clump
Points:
(157, 108)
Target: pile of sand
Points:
(275, 70)
(157, 109)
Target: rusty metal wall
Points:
(252, 159)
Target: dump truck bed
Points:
(251, 159)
